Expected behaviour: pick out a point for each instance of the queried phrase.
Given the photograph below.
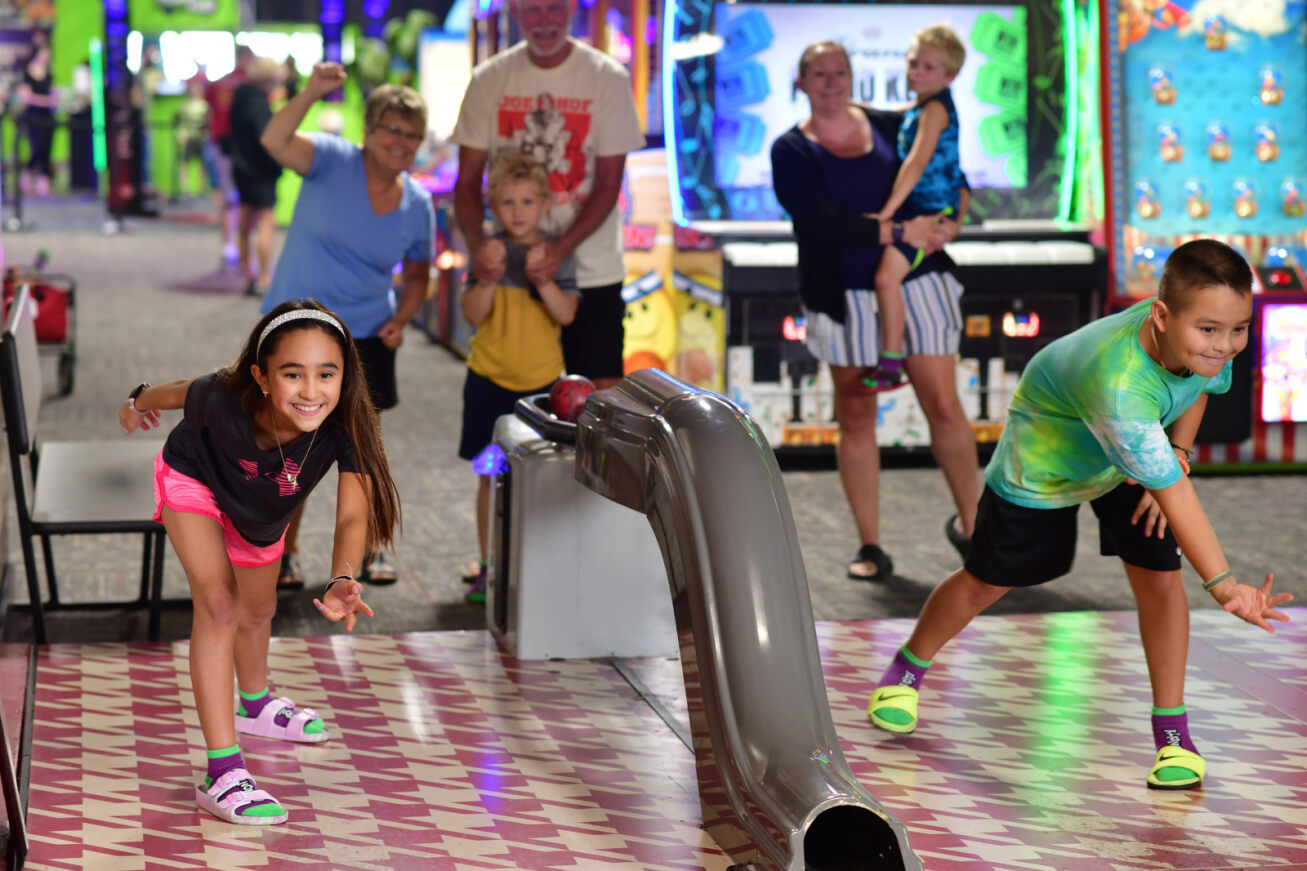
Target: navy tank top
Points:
(862, 185)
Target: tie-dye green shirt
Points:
(1088, 413)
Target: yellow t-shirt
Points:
(517, 346)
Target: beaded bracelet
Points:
(333, 580)
(1221, 578)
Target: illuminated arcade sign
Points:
(1023, 325)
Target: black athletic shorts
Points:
(379, 369)
(257, 193)
(484, 402)
(592, 342)
(1021, 547)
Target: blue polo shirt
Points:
(338, 251)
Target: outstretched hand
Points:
(1254, 605)
(344, 601)
(132, 420)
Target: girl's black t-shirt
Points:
(214, 444)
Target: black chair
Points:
(76, 487)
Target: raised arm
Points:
(934, 118)
(142, 411)
(281, 137)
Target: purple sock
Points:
(1171, 728)
(905, 670)
(253, 705)
(218, 766)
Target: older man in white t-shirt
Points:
(570, 107)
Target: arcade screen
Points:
(1283, 360)
(732, 65)
(758, 62)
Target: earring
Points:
(265, 394)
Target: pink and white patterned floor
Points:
(448, 754)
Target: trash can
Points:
(570, 574)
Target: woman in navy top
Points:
(830, 171)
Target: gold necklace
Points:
(1184, 372)
(292, 479)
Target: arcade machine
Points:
(1205, 104)
(1030, 274)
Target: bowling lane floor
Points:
(448, 754)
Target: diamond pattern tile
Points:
(446, 753)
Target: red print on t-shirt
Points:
(552, 130)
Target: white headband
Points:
(296, 315)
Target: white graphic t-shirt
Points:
(564, 117)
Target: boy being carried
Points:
(929, 182)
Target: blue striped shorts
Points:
(934, 323)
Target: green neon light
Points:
(1091, 72)
(100, 155)
(1070, 139)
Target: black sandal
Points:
(960, 543)
(871, 553)
(289, 576)
(377, 570)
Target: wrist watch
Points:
(136, 391)
(896, 232)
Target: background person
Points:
(255, 172)
(518, 309)
(929, 182)
(829, 171)
(219, 95)
(358, 214)
(568, 106)
(38, 99)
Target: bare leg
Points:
(257, 604)
(243, 224)
(198, 542)
(483, 513)
(266, 226)
(951, 606)
(894, 267)
(952, 441)
(857, 455)
(1164, 629)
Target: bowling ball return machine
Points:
(775, 789)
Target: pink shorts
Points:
(185, 494)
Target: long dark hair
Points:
(354, 413)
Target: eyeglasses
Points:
(396, 132)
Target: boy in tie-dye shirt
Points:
(1108, 415)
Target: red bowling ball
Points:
(567, 396)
